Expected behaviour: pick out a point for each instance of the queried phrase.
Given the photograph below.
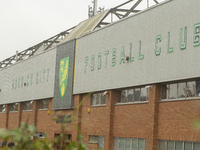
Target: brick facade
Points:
(152, 120)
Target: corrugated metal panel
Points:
(100, 56)
(85, 27)
(28, 80)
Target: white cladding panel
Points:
(28, 80)
(100, 55)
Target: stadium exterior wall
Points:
(148, 103)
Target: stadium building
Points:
(133, 84)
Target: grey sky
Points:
(25, 23)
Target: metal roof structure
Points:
(119, 12)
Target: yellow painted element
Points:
(63, 89)
(88, 110)
(74, 65)
(48, 112)
(65, 71)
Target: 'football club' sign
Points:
(63, 75)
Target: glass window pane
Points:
(197, 88)
(178, 145)
(116, 144)
(137, 94)
(143, 94)
(15, 107)
(94, 98)
(172, 91)
(3, 108)
(196, 146)
(121, 144)
(130, 95)
(141, 144)
(188, 146)
(124, 96)
(164, 91)
(101, 142)
(98, 99)
(191, 90)
(134, 144)
(118, 97)
(181, 90)
(103, 99)
(162, 145)
(45, 104)
(170, 145)
(127, 144)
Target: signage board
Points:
(64, 72)
(157, 45)
(30, 79)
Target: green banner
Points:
(63, 75)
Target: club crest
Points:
(63, 75)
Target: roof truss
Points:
(117, 11)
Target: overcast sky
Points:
(25, 23)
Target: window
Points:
(185, 89)
(173, 91)
(132, 95)
(43, 104)
(27, 105)
(129, 144)
(97, 139)
(191, 89)
(178, 145)
(98, 99)
(40, 135)
(2, 108)
(13, 107)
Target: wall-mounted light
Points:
(104, 93)
(24, 84)
(31, 102)
(88, 110)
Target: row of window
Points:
(140, 144)
(178, 145)
(42, 104)
(129, 144)
(131, 95)
(185, 89)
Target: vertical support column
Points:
(51, 113)
(20, 105)
(110, 101)
(35, 108)
(154, 97)
(77, 116)
(7, 116)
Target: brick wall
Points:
(176, 120)
(152, 120)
